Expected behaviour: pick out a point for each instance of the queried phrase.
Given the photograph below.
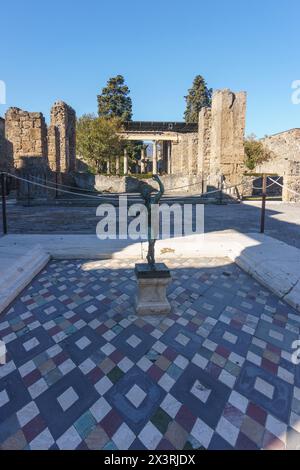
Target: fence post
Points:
(3, 192)
(263, 204)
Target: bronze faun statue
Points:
(149, 200)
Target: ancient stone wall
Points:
(185, 155)
(291, 180)
(227, 137)
(63, 117)
(26, 134)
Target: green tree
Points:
(198, 97)
(255, 152)
(98, 142)
(114, 100)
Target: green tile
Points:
(85, 424)
(115, 374)
(161, 420)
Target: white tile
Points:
(297, 393)
(227, 431)
(295, 422)
(274, 334)
(276, 427)
(4, 398)
(27, 413)
(68, 398)
(182, 339)
(37, 388)
(86, 366)
(91, 309)
(103, 385)
(125, 364)
(150, 436)
(136, 395)
(83, 343)
(254, 358)
(109, 335)
(133, 341)
(144, 364)
(237, 359)
(69, 440)
(7, 368)
(54, 350)
(66, 366)
(239, 401)
(170, 405)
(230, 337)
(200, 361)
(286, 375)
(30, 344)
(100, 409)
(26, 368)
(181, 362)
(159, 347)
(226, 378)
(123, 437)
(43, 441)
(202, 433)
(108, 349)
(166, 382)
(264, 387)
(200, 391)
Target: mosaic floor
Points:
(83, 372)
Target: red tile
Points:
(185, 418)
(32, 377)
(111, 423)
(155, 373)
(269, 366)
(257, 413)
(34, 428)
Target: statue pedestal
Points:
(151, 296)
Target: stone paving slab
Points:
(83, 372)
(272, 262)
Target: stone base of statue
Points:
(151, 298)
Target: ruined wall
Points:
(227, 137)
(185, 155)
(284, 146)
(63, 117)
(26, 134)
(291, 180)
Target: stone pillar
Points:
(53, 149)
(154, 158)
(204, 131)
(64, 118)
(227, 153)
(117, 165)
(169, 150)
(143, 159)
(108, 167)
(125, 162)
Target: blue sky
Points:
(68, 49)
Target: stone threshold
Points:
(273, 263)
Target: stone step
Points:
(15, 278)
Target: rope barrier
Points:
(104, 196)
(269, 185)
(285, 187)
